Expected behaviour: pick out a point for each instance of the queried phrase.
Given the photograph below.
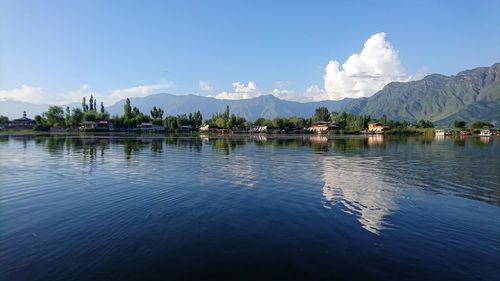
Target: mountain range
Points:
(470, 95)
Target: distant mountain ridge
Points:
(267, 106)
(470, 95)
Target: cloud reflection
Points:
(358, 186)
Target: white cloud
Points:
(76, 95)
(241, 91)
(137, 91)
(282, 83)
(25, 93)
(205, 86)
(37, 95)
(362, 74)
(286, 94)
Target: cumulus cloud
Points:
(241, 91)
(137, 91)
(205, 86)
(24, 93)
(362, 74)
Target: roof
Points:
(23, 119)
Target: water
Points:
(304, 208)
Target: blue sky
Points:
(60, 50)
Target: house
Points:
(186, 129)
(148, 126)
(485, 133)
(102, 126)
(258, 129)
(22, 123)
(377, 128)
(322, 127)
(88, 125)
(209, 128)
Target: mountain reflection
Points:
(359, 188)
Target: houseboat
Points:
(322, 127)
(148, 126)
(376, 128)
(465, 133)
(442, 133)
(485, 133)
(88, 125)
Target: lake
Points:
(249, 208)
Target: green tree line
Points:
(132, 117)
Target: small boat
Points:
(465, 133)
(440, 132)
(485, 133)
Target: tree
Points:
(157, 114)
(198, 119)
(4, 119)
(226, 115)
(261, 122)
(481, 124)
(459, 124)
(297, 122)
(76, 117)
(102, 107)
(67, 118)
(424, 124)
(91, 103)
(84, 105)
(55, 116)
(41, 123)
(321, 114)
(171, 123)
(127, 112)
(90, 116)
(95, 105)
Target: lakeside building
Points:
(88, 125)
(258, 129)
(485, 133)
(22, 123)
(442, 133)
(209, 128)
(148, 126)
(322, 127)
(186, 129)
(376, 128)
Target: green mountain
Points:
(469, 95)
(267, 106)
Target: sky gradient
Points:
(57, 51)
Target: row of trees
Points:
(57, 117)
(460, 124)
(132, 117)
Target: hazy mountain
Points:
(267, 106)
(14, 109)
(469, 95)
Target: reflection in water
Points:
(485, 139)
(76, 206)
(318, 139)
(359, 188)
(375, 140)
